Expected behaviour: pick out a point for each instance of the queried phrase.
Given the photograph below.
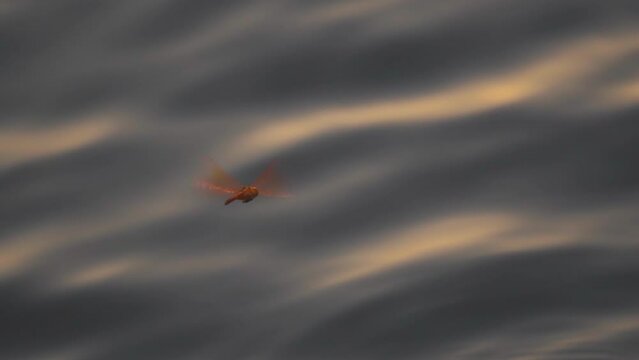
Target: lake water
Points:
(464, 175)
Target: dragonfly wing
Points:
(212, 187)
(269, 182)
(276, 194)
(221, 178)
(219, 181)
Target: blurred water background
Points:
(465, 179)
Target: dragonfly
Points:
(268, 183)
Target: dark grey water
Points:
(465, 179)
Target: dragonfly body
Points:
(246, 194)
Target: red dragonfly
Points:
(268, 183)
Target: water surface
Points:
(465, 179)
